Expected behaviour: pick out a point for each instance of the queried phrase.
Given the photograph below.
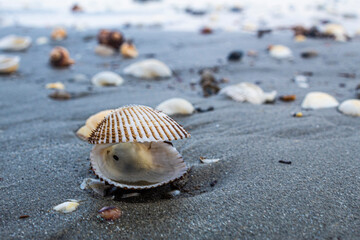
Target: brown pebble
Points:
(287, 98)
(347, 75)
(60, 95)
(206, 30)
(209, 83)
(24, 216)
(110, 213)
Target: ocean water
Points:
(173, 15)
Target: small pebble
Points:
(298, 114)
(24, 216)
(110, 213)
(213, 183)
(285, 162)
(309, 54)
(287, 98)
(206, 30)
(235, 56)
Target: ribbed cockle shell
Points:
(137, 124)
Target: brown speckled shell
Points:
(112, 39)
(60, 57)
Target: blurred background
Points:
(184, 15)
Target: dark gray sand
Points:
(247, 195)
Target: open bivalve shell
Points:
(132, 150)
(9, 64)
(14, 43)
(148, 69)
(318, 100)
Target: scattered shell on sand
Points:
(280, 52)
(131, 149)
(15, 43)
(9, 64)
(176, 106)
(173, 193)
(91, 123)
(103, 50)
(110, 213)
(209, 84)
(55, 85)
(248, 92)
(109, 38)
(96, 185)
(107, 78)
(67, 207)
(148, 69)
(317, 100)
(298, 114)
(300, 38)
(336, 30)
(206, 30)
(60, 57)
(301, 81)
(209, 160)
(59, 34)
(42, 40)
(128, 50)
(350, 107)
(60, 95)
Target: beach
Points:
(248, 194)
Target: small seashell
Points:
(91, 123)
(60, 57)
(309, 54)
(58, 34)
(55, 85)
(174, 106)
(301, 81)
(60, 95)
(148, 69)
(76, 8)
(67, 207)
(248, 92)
(280, 52)
(103, 50)
(317, 100)
(173, 193)
(208, 160)
(110, 213)
(298, 114)
(107, 78)
(96, 185)
(9, 64)
(336, 30)
(300, 38)
(287, 98)
(130, 195)
(42, 40)
(350, 107)
(128, 50)
(235, 56)
(112, 39)
(15, 43)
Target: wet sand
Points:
(247, 195)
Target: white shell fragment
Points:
(301, 81)
(107, 78)
(103, 50)
(55, 85)
(67, 207)
(176, 106)
(248, 92)
(137, 124)
(15, 43)
(208, 160)
(317, 100)
(96, 185)
(137, 165)
(9, 64)
(350, 107)
(337, 31)
(148, 69)
(280, 52)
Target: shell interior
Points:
(137, 124)
(137, 165)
